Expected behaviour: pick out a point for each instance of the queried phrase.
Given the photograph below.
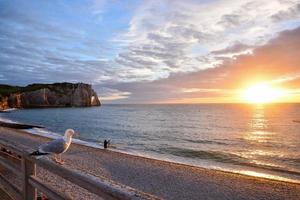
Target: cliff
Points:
(48, 95)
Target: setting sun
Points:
(262, 93)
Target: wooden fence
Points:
(17, 160)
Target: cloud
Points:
(141, 50)
(37, 49)
(276, 62)
(291, 13)
(171, 37)
(108, 94)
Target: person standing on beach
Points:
(105, 144)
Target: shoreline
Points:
(173, 161)
(27, 127)
(19, 125)
(137, 172)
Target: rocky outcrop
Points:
(52, 95)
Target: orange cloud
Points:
(277, 62)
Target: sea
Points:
(255, 140)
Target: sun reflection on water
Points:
(259, 136)
(259, 121)
(264, 175)
(258, 126)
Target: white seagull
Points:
(56, 147)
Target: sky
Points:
(159, 51)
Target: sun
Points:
(262, 93)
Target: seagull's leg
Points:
(60, 160)
(55, 158)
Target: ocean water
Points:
(257, 140)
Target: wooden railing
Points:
(17, 160)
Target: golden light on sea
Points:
(261, 93)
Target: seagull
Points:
(56, 147)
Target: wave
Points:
(224, 157)
(7, 120)
(206, 142)
(184, 154)
(205, 155)
(8, 110)
(53, 135)
(273, 168)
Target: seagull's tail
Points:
(37, 153)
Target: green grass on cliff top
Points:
(6, 90)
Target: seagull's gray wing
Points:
(56, 146)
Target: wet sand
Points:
(164, 179)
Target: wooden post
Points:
(28, 169)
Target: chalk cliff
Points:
(48, 95)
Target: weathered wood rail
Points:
(17, 161)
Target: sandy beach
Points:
(166, 180)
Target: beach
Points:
(195, 99)
(163, 179)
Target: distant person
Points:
(105, 144)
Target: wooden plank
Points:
(10, 166)
(102, 187)
(4, 195)
(47, 189)
(28, 169)
(10, 189)
(15, 159)
(12, 147)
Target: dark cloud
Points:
(231, 20)
(235, 48)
